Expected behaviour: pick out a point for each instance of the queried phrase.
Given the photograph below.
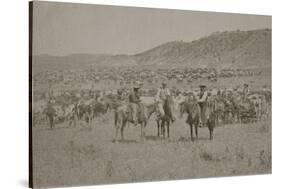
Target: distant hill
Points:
(235, 49)
(229, 49)
(80, 61)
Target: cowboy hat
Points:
(202, 86)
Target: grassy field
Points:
(85, 155)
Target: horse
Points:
(191, 107)
(122, 117)
(166, 119)
(211, 114)
(220, 109)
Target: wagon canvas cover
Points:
(126, 94)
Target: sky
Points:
(67, 28)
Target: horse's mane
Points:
(168, 106)
(189, 105)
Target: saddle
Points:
(139, 113)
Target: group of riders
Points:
(136, 106)
(164, 94)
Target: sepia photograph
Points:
(126, 94)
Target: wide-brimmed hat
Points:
(137, 85)
(229, 89)
(164, 82)
(51, 101)
(202, 86)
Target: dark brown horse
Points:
(191, 107)
(211, 115)
(164, 122)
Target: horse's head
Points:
(182, 108)
(151, 108)
(211, 107)
(188, 105)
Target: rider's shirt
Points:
(134, 97)
(203, 97)
(162, 94)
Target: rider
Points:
(51, 112)
(134, 100)
(245, 91)
(120, 94)
(202, 101)
(162, 96)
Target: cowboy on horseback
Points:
(162, 96)
(202, 101)
(135, 102)
(51, 112)
(245, 91)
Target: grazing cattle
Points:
(38, 111)
(265, 102)
(247, 111)
(84, 111)
(99, 108)
(257, 104)
(71, 114)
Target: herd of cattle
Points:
(123, 76)
(231, 106)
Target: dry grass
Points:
(86, 155)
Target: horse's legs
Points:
(191, 131)
(196, 130)
(168, 128)
(117, 126)
(122, 130)
(51, 119)
(211, 134)
(163, 128)
(87, 118)
(116, 134)
(142, 132)
(90, 118)
(239, 118)
(158, 125)
(143, 129)
(209, 124)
